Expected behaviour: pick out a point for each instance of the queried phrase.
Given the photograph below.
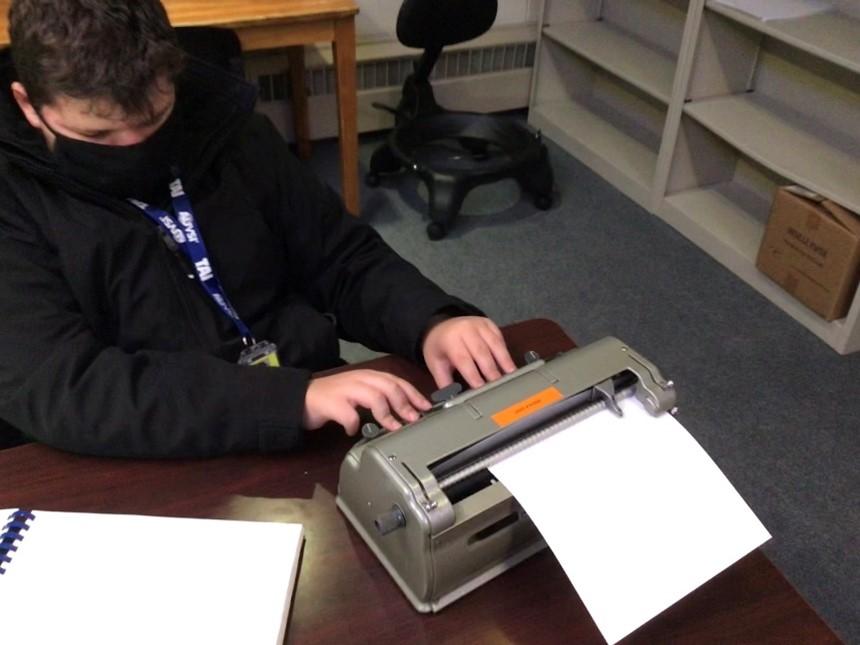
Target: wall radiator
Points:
(482, 79)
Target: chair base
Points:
(453, 152)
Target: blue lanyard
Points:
(183, 228)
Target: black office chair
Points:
(453, 152)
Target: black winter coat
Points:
(107, 347)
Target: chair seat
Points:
(464, 144)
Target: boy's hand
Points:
(471, 345)
(336, 398)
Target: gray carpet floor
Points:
(775, 407)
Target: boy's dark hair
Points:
(93, 49)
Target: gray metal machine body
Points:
(423, 499)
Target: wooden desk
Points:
(344, 595)
(290, 24)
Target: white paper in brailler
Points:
(634, 510)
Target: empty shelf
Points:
(615, 155)
(643, 66)
(833, 36)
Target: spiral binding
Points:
(13, 532)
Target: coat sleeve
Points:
(346, 269)
(63, 386)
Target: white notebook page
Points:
(102, 578)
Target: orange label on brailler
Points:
(527, 406)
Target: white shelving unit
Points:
(699, 112)
(607, 71)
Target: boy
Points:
(157, 239)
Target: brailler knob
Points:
(390, 521)
(530, 357)
(371, 430)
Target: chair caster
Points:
(372, 179)
(436, 231)
(543, 202)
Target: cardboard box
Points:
(811, 247)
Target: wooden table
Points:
(289, 24)
(343, 594)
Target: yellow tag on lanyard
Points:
(263, 353)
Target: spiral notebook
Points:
(103, 578)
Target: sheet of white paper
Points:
(634, 510)
(779, 9)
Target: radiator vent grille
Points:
(393, 71)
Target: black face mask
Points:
(142, 170)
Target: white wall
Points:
(516, 22)
(377, 18)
